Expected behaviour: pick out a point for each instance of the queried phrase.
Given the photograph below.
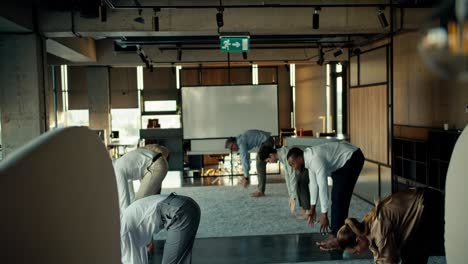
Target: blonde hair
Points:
(353, 228)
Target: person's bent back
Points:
(179, 215)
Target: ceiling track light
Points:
(356, 51)
(321, 59)
(244, 55)
(338, 53)
(219, 17)
(179, 53)
(156, 19)
(316, 18)
(103, 12)
(139, 19)
(382, 19)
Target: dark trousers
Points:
(344, 180)
(428, 237)
(303, 192)
(261, 166)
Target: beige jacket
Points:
(395, 220)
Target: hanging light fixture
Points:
(338, 53)
(179, 53)
(382, 19)
(156, 19)
(321, 59)
(139, 19)
(103, 11)
(219, 17)
(316, 18)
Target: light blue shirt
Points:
(249, 140)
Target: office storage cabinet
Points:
(423, 162)
(410, 158)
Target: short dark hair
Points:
(229, 142)
(295, 152)
(265, 152)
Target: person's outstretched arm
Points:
(245, 159)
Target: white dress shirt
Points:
(289, 173)
(321, 161)
(128, 168)
(137, 226)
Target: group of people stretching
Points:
(406, 226)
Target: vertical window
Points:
(292, 83)
(127, 122)
(64, 77)
(78, 117)
(178, 69)
(328, 100)
(70, 117)
(254, 74)
(160, 106)
(339, 100)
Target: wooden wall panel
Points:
(284, 97)
(189, 77)
(373, 66)
(77, 88)
(214, 76)
(368, 121)
(267, 75)
(220, 76)
(123, 85)
(159, 84)
(420, 97)
(310, 97)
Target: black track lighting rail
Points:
(113, 6)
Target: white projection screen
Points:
(224, 111)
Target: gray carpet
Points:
(230, 211)
(432, 260)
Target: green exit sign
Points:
(234, 44)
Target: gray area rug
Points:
(230, 211)
(432, 260)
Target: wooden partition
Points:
(368, 120)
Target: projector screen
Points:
(225, 111)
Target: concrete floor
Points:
(258, 249)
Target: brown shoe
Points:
(257, 194)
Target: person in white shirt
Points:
(147, 164)
(344, 163)
(179, 215)
(272, 155)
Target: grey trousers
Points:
(261, 166)
(180, 216)
(153, 178)
(303, 192)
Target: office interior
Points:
(363, 71)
